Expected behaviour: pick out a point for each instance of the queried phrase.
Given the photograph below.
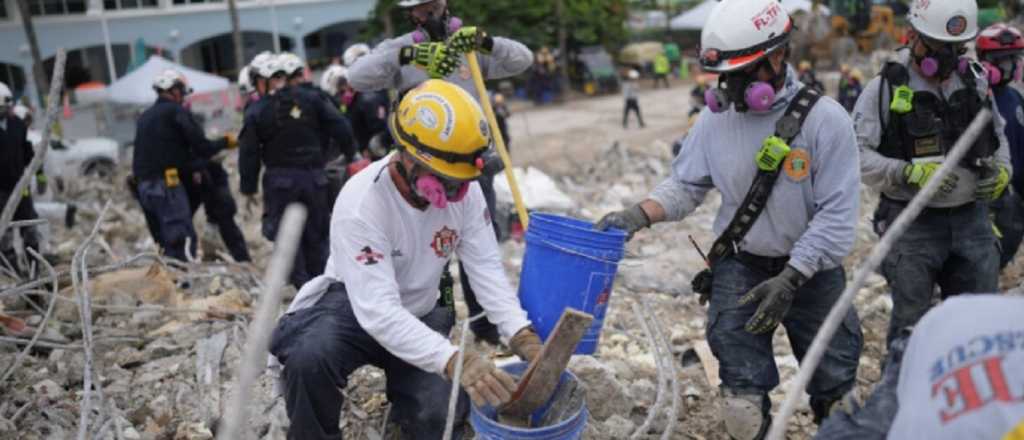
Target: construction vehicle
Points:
(848, 28)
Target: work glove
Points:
(437, 59)
(917, 174)
(471, 38)
(774, 296)
(994, 179)
(41, 183)
(230, 141)
(629, 220)
(526, 344)
(492, 163)
(485, 383)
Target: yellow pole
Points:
(499, 141)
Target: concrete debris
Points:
(168, 335)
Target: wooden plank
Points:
(541, 378)
(708, 361)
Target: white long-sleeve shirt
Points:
(391, 255)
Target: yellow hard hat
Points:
(857, 74)
(443, 127)
(804, 65)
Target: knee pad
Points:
(745, 415)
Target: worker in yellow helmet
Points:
(394, 228)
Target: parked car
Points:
(85, 157)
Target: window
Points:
(111, 5)
(56, 7)
(193, 2)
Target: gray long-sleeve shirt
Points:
(813, 209)
(885, 173)
(380, 70)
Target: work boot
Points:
(745, 415)
(825, 407)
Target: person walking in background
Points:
(632, 104)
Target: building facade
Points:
(196, 33)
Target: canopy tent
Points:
(694, 19)
(137, 86)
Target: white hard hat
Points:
(353, 53)
(263, 64)
(329, 80)
(22, 112)
(289, 63)
(413, 3)
(741, 32)
(169, 78)
(244, 82)
(952, 21)
(6, 97)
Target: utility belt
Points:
(301, 158)
(769, 265)
(171, 178)
(959, 209)
(769, 163)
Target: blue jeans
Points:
(953, 248)
(1008, 216)
(322, 345)
(747, 364)
(284, 186)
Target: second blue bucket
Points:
(568, 264)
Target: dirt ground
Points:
(168, 372)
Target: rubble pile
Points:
(168, 336)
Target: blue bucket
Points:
(568, 264)
(485, 423)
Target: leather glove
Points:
(41, 183)
(485, 383)
(492, 163)
(994, 179)
(918, 175)
(629, 220)
(230, 141)
(774, 296)
(437, 59)
(470, 38)
(526, 344)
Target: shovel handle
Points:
(499, 140)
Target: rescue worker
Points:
(393, 230)
(851, 84)
(209, 188)
(261, 69)
(788, 215)
(286, 132)
(999, 48)
(435, 49)
(907, 119)
(632, 102)
(807, 76)
(662, 68)
(17, 153)
(953, 377)
(167, 143)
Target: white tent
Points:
(694, 19)
(137, 86)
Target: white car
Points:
(70, 159)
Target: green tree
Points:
(532, 22)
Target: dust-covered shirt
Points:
(962, 375)
(391, 255)
(886, 173)
(813, 208)
(380, 69)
